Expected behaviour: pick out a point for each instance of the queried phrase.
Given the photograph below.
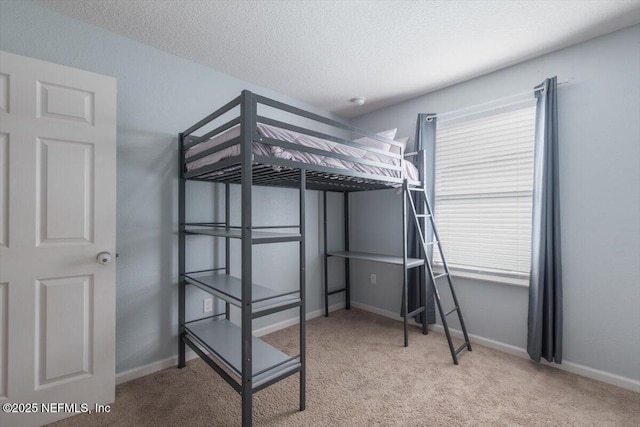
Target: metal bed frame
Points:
(232, 351)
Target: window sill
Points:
(487, 277)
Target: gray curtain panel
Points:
(425, 140)
(545, 282)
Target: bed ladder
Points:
(424, 218)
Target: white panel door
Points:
(57, 212)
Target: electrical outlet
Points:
(207, 305)
(373, 279)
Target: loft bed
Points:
(248, 148)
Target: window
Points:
(483, 193)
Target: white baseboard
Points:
(142, 371)
(383, 313)
(295, 320)
(575, 368)
(145, 370)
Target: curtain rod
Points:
(506, 98)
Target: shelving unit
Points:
(257, 237)
(265, 300)
(222, 339)
(244, 361)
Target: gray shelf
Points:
(387, 259)
(229, 288)
(235, 233)
(223, 340)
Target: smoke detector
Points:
(358, 100)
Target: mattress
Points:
(409, 171)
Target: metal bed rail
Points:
(324, 120)
(265, 175)
(421, 162)
(389, 162)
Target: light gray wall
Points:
(159, 95)
(599, 131)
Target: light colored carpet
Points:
(358, 374)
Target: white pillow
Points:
(403, 141)
(388, 134)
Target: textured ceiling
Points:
(326, 52)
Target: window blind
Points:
(483, 192)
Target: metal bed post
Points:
(405, 304)
(347, 269)
(423, 270)
(181, 254)
(303, 191)
(247, 125)
(422, 282)
(326, 256)
(227, 244)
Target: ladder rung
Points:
(337, 291)
(431, 243)
(462, 347)
(450, 311)
(440, 275)
(415, 189)
(423, 215)
(414, 312)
